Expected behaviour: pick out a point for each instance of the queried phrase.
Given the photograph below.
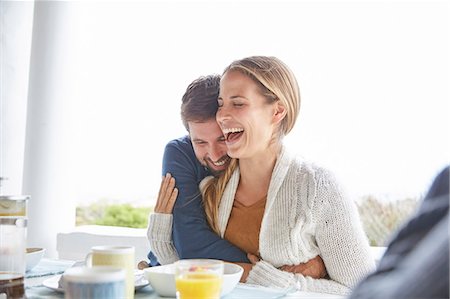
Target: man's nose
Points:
(216, 152)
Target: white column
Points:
(16, 20)
(51, 86)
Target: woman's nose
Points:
(222, 114)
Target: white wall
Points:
(51, 90)
(16, 19)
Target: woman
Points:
(281, 208)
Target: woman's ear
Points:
(279, 112)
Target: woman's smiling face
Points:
(244, 115)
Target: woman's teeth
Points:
(229, 131)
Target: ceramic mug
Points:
(98, 282)
(116, 256)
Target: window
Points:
(373, 79)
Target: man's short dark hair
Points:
(199, 102)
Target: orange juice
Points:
(199, 286)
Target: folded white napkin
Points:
(76, 264)
(250, 291)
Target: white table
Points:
(49, 267)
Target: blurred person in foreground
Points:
(189, 160)
(416, 261)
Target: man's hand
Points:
(253, 258)
(314, 268)
(142, 265)
(247, 268)
(167, 195)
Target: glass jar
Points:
(13, 240)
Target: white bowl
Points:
(231, 277)
(33, 257)
(162, 278)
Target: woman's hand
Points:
(314, 268)
(166, 196)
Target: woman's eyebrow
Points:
(233, 97)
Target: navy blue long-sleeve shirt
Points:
(191, 233)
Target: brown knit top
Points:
(244, 225)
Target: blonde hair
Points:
(212, 193)
(277, 83)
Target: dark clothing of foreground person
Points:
(416, 262)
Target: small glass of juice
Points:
(198, 278)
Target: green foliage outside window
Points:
(102, 213)
(380, 219)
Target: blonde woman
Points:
(281, 208)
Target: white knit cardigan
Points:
(306, 214)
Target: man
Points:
(416, 262)
(189, 160)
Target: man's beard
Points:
(211, 167)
